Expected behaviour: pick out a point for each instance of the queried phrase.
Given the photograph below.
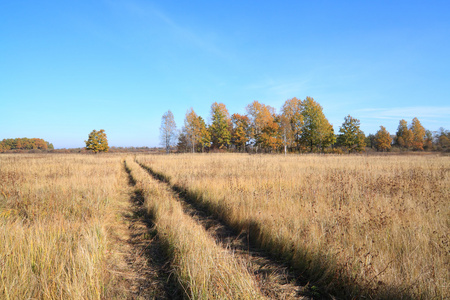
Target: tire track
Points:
(144, 255)
(275, 279)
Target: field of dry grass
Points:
(353, 225)
(54, 216)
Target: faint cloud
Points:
(397, 113)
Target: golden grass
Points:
(204, 269)
(54, 212)
(372, 225)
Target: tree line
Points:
(25, 144)
(301, 126)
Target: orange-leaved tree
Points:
(240, 133)
(382, 139)
(418, 134)
(263, 124)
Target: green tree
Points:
(168, 131)
(183, 144)
(428, 143)
(370, 140)
(97, 141)
(317, 132)
(443, 139)
(220, 126)
(351, 136)
(382, 139)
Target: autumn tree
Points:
(205, 135)
(97, 141)
(351, 136)
(286, 132)
(240, 133)
(428, 142)
(220, 126)
(271, 134)
(443, 139)
(291, 122)
(263, 125)
(168, 131)
(193, 129)
(382, 139)
(25, 144)
(404, 135)
(418, 134)
(316, 130)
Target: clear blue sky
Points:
(68, 67)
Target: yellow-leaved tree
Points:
(382, 139)
(97, 141)
(193, 128)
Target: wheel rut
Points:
(144, 269)
(274, 278)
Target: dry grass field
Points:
(374, 227)
(354, 225)
(54, 216)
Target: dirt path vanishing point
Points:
(274, 278)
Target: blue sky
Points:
(68, 67)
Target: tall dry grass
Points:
(355, 225)
(203, 269)
(54, 212)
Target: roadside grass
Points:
(372, 226)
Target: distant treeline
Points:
(301, 126)
(24, 144)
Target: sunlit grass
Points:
(361, 224)
(53, 225)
